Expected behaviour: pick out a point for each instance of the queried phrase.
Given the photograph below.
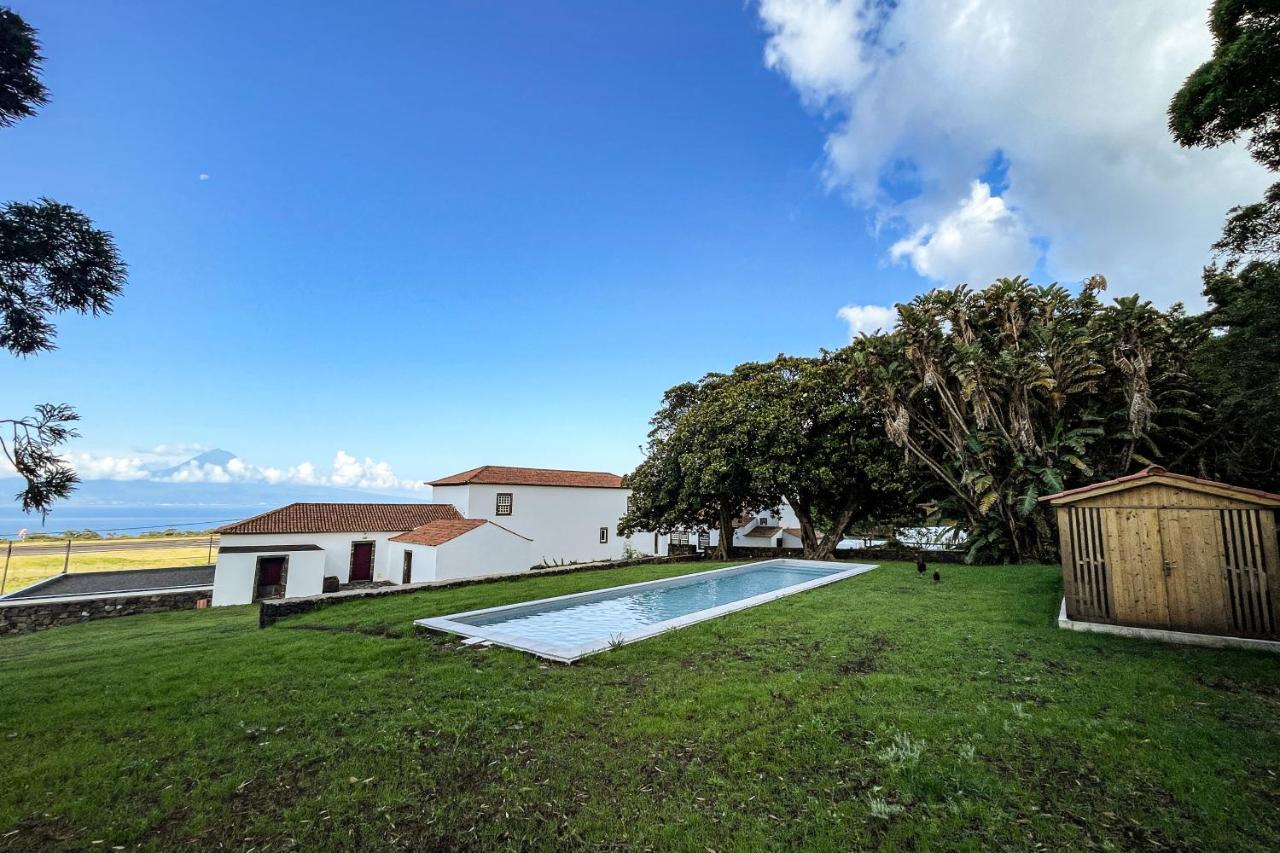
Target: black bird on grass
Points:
(920, 565)
(937, 576)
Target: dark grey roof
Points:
(100, 583)
(266, 549)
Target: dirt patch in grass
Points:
(867, 659)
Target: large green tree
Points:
(1237, 94)
(696, 474)
(1239, 366)
(1015, 391)
(821, 448)
(52, 259)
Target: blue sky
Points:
(441, 235)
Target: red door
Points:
(270, 577)
(361, 561)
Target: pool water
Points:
(570, 626)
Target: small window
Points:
(763, 521)
(704, 540)
(631, 503)
(604, 535)
(503, 506)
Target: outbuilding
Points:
(457, 549)
(1164, 551)
(288, 552)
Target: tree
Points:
(1014, 391)
(696, 474)
(821, 448)
(52, 259)
(1241, 441)
(1237, 93)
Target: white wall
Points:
(235, 574)
(236, 582)
(564, 522)
(487, 550)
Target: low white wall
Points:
(336, 546)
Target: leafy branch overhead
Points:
(52, 260)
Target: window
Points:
(504, 504)
(408, 567)
(604, 535)
(631, 503)
(762, 521)
(704, 540)
(679, 537)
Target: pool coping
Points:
(563, 653)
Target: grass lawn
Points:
(27, 568)
(879, 711)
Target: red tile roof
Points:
(763, 532)
(1157, 474)
(439, 532)
(500, 475)
(343, 518)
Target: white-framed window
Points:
(680, 537)
(704, 539)
(503, 504)
(762, 521)
(604, 535)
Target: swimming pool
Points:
(568, 627)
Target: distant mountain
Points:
(209, 457)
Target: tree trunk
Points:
(725, 546)
(827, 547)
(808, 533)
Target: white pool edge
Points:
(452, 623)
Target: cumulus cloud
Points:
(979, 241)
(93, 466)
(345, 471)
(868, 319)
(922, 94)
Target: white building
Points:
(452, 549)
(571, 516)
(288, 552)
(485, 522)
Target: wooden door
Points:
(1193, 570)
(361, 561)
(1134, 552)
(408, 567)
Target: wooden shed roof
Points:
(1155, 475)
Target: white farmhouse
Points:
(288, 552)
(571, 516)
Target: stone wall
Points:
(37, 615)
(271, 612)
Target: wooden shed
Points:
(1161, 550)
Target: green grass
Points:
(880, 711)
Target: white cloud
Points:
(203, 176)
(346, 471)
(978, 242)
(92, 466)
(868, 319)
(1072, 94)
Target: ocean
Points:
(124, 519)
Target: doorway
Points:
(271, 578)
(361, 561)
(407, 576)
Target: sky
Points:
(375, 244)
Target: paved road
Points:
(89, 546)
